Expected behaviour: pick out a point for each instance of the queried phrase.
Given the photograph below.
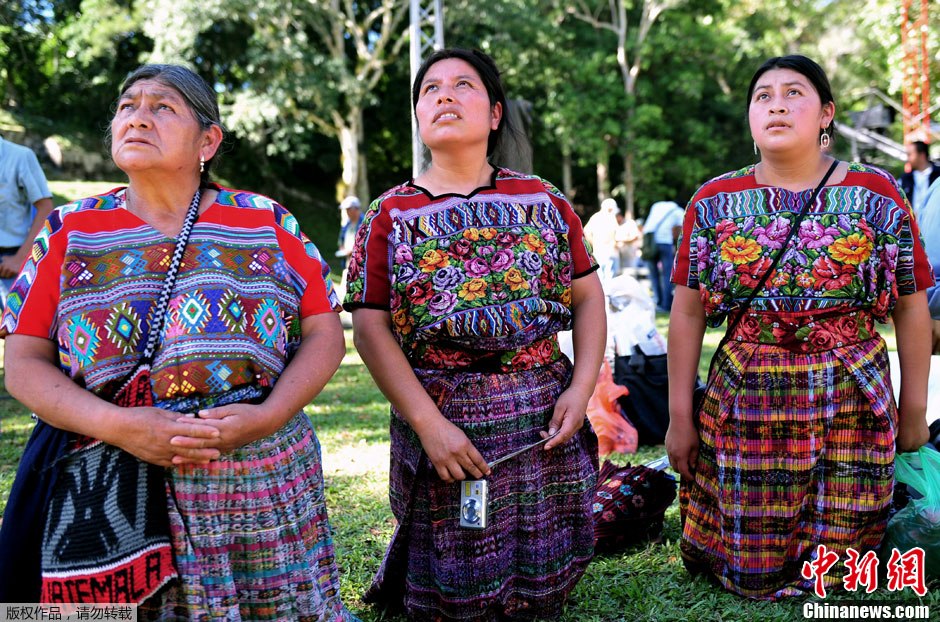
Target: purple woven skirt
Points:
(540, 532)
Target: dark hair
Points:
(921, 147)
(489, 74)
(197, 93)
(803, 66)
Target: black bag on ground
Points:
(935, 434)
(647, 405)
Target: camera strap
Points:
(519, 452)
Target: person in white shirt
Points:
(665, 222)
(351, 220)
(23, 188)
(628, 241)
(928, 219)
(601, 232)
(923, 173)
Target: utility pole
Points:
(427, 35)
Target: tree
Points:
(308, 66)
(23, 25)
(571, 86)
(629, 53)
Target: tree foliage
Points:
(316, 92)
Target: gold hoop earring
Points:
(202, 165)
(824, 141)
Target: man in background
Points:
(628, 242)
(665, 223)
(923, 173)
(928, 219)
(22, 187)
(349, 225)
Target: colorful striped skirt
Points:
(540, 533)
(251, 536)
(796, 450)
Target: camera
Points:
(473, 504)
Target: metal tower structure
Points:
(915, 65)
(427, 35)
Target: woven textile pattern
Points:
(486, 276)
(253, 524)
(278, 537)
(477, 287)
(771, 484)
(797, 430)
(247, 272)
(540, 535)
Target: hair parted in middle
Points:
(805, 67)
(199, 96)
(489, 75)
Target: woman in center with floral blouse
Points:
(458, 285)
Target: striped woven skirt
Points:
(540, 532)
(796, 450)
(251, 537)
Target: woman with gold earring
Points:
(793, 444)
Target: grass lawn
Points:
(351, 416)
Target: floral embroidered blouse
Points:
(480, 281)
(857, 249)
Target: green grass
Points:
(15, 426)
(642, 583)
(351, 418)
(645, 583)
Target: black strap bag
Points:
(647, 404)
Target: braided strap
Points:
(158, 313)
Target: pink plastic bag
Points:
(614, 432)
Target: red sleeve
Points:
(682, 272)
(34, 296)
(582, 260)
(317, 294)
(913, 271)
(368, 275)
(911, 252)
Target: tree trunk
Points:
(566, 183)
(603, 180)
(629, 183)
(363, 183)
(349, 137)
(363, 192)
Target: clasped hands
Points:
(168, 438)
(9, 266)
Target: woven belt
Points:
(805, 332)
